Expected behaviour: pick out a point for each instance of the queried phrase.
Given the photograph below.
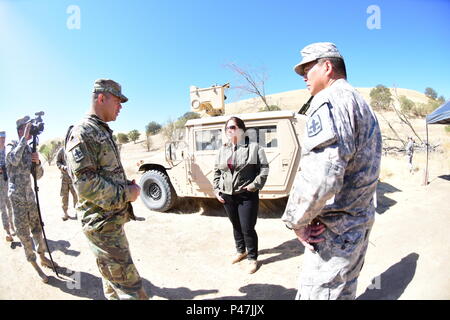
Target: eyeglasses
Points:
(231, 127)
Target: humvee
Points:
(186, 168)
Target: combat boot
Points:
(39, 271)
(65, 216)
(142, 295)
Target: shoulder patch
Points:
(314, 125)
(320, 130)
(77, 154)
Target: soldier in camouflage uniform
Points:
(26, 217)
(5, 204)
(331, 207)
(104, 193)
(66, 184)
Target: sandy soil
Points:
(185, 254)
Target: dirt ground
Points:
(185, 254)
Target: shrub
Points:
(406, 104)
(49, 150)
(270, 108)
(122, 137)
(380, 97)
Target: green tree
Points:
(49, 150)
(152, 128)
(441, 100)
(431, 93)
(133, 135)
(184, 118)
(122, 137)
(190, 115)
(380, 97)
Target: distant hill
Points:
(293, 100)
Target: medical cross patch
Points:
(77, 154)
(314, 126)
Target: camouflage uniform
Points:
(7, 215)
(26, 216)
(66, 182)
(340, 166)
(96, 170)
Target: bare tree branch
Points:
(254, 82)
(403, 117)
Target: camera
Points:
(37, 124)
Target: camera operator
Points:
(26, 217)
(5, 204)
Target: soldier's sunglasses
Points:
(232, 127)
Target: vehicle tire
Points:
(157, 192)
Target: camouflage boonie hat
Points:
(2, 134)
(22, 121)
(316, 51)
(108, 85)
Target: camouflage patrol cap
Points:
(22, 121)
(108, 85)
(2, 134)
(316, 51)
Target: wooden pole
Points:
(425, 181)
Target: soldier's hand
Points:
(221, 200)
(134, 190)
(308, 234)
(35, 158)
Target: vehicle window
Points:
(266, 136)
(208, 139)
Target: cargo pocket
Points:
(113, 272)
(309, 292)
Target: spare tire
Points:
(157, 192)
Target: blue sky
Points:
(157, 49)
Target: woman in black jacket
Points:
(240, 171)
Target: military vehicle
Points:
(186, 168)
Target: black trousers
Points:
(242, 209)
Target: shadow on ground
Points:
(263, 292)
(391, 284)
(86, 285)
(445, 177)
(286, 250)
(181, 293)
(76, 283)
(383, 202)
(63, 246)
